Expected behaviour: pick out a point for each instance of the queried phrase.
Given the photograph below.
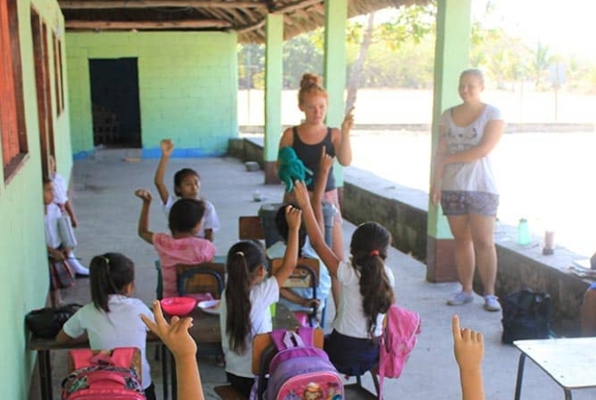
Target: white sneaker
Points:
(78, 268)
(491, 303)
(460, 298)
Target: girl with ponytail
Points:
(366, 291)
(245, 302)
(112, 319)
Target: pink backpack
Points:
(101, 375)
(397, 342)
(299, 370)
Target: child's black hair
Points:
(180, 175)
(368, 248)
(243, 259)
(46, 180)
(282, 226)
(109, 273)
(185, 214)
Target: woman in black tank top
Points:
(309, 137)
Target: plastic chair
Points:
(305, 275)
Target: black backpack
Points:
(526, 315)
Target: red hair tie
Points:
(374, 253)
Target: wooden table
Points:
(569, 362)
(205, 330)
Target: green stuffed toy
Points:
(292, 168)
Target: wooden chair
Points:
(263, 351)
(207, 277)
(227, 392)
(305, 275)
(250, 227)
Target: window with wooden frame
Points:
(13, 132)
(58, 80)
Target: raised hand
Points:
(293, 217)
(326, 161)
(144, 195)
(348, 121)
(175, 335)
(468, 346)
(167, 146)
(301, 193)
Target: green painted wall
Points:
(451, 58)
(24, 279)
(187, 82)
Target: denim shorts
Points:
(456, 202)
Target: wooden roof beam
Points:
(86, 4)
(280, 10)
(151, 25)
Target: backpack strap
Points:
(123, 356)
(287, 339)
(119, 357)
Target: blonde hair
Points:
(474, 72)
(310, 84)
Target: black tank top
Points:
(310, 154)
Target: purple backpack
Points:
(300, 370)
(397, 342)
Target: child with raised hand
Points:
(245, 302)
(112, 318)
(175, 335)
(468, 347)
(366, 291)
(300, 299)
(182, 246)
(187, 184)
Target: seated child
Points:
(187, 184)
(366, 291)
(182, 246)
(53, 241)
(63, 203)
(300, 299)
(112, 319)
(245, 302)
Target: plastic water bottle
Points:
(523, 232)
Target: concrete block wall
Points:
(187, 84)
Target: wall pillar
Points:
(274, 29)
(451, 58)
(334, 75)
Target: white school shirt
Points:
(60, 192)
(51, 217)
(278, 249)
(210, 219)
(121, 327)
(261, 297)
(350, 320)
(475, 176)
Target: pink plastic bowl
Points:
(178, 305)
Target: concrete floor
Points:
(107, 210)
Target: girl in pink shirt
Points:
(182, 246)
